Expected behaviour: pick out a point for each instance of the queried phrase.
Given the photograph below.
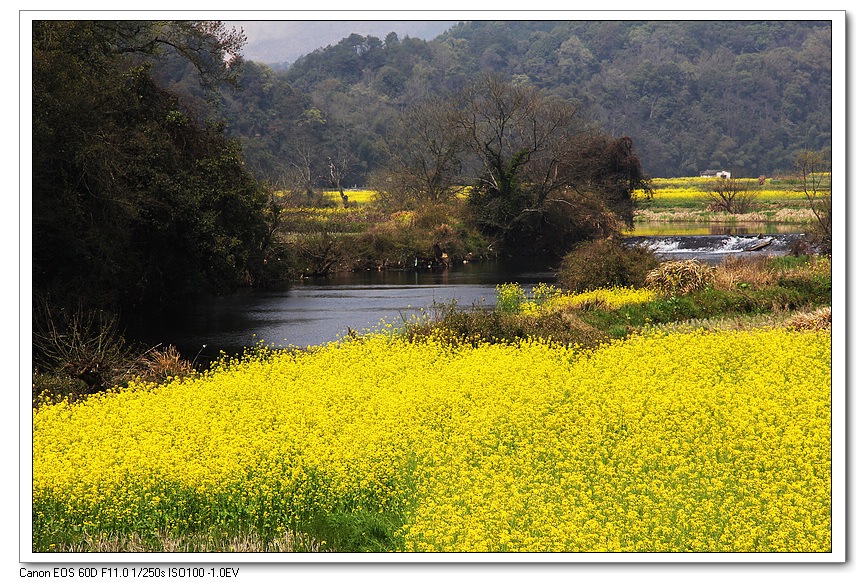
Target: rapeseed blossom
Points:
(360, 196)
(668, 442)
(545, 298)
(696, 188)
(701, 193)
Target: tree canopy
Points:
(138, 199)
(542, 177)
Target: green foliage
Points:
(707, 304)
(509, 298)
(137, 202)
(358, 531)
(775, 76)
(605, 263)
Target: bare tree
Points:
(518, 135)
(815, 177)
(731, 195)
(518, 138)
(338, 167)
(303, 172)
(424, 157)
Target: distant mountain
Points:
(278, 43)
(743, 96)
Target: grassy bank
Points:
(363, 237)
(651, 419)
(778, 200)
(739, 292)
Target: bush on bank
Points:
(605, 263)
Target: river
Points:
(317, 311)
(321, 310)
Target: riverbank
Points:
(461, 300)
(741, 293)
(772, 201)
(531, 426)
(362, 236)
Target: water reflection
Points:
(317, 311)
(690, 228)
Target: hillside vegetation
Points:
(744, 96)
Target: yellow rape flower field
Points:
(681, 442)
(546, 298)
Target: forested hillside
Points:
(739, 95)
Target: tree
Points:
(518, 138)
(424, 165)
(815, 177)
(608, 169)
(338, 167)
(545, 177)
(730, 195)
(137, 202)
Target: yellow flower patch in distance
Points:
(546, 298)
(702, 193)
(359, 196)
(680, 442)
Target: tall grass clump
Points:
(677, 278)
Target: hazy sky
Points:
(278, 41)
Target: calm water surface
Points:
(317, 311)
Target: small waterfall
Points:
(714, 248)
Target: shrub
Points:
(678, 278)
(84, 346)
(79, 353)
(453, 327)
(605, 264)
(812, 277)
(316, 253)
